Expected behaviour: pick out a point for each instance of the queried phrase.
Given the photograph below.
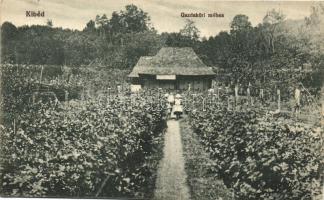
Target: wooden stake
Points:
(236, 89)
(322, 114)
(203, 108)
(41, 75)
(261, 94)
(34, 97)
(248, 95)
(14, 125)
(279, 106)
(66, 96)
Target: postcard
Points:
(161, 99)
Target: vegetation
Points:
(204, 185)
(90, 149)
(260, 156)
(110, 146)
(119, 41)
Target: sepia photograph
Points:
(162, 99)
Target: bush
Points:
(261, 158)
(88, 150)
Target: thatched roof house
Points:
(172, 68)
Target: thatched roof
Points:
(171, 61)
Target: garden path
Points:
(171, 181)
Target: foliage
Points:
(81, 148)
(20, 82)
(203, 184)
(240, 23)
(119, 40)
(261, 157)
(190, 30)
(101, 41)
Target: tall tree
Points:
(190, 30)
(271, 24)
(90, 26)
(240, 23)
(9, 35)
(132, 19)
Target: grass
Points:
(203, 184)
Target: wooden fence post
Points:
(41, 75)
(236, 89)
(322, 115)
(159, 98)
(14, 125)
(261, 94)
(82, 95)
(193, 101)
(34, 97)
(66, 96)
(118, 89)
(203, 106)
(278, 93)
(248, 96)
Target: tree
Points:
(101, 24)
(271, 23)
(176, 40)
(190, 30)
(49, 23)
(130, 20)
(9, 35)
(8, 31)
(90, 26)
(316, 17)
(240, 23)
(241, 41)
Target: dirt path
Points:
(171, 181)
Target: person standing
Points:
(177, 108)
(171, 99)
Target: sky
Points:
(165, 14)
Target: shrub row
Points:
(88, 149)
(261, 158)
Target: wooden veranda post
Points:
(159, 98)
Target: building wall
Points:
(181, 83)
(170, 85)
(196, 83)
